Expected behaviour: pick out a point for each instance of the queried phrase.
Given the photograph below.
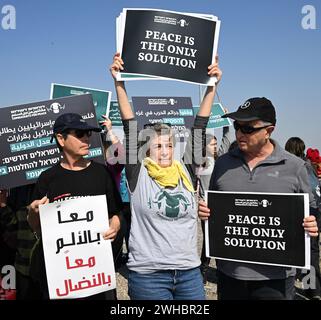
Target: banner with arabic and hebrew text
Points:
(25, 137)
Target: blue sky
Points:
(263, 49)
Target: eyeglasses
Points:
(81, 133)
(247, 129)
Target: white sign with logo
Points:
(79, 262)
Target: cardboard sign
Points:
(216, 121)
(167, 44)
(261, 228)
(79, 262)
(175, 111)
(101, 99)
(25, 138)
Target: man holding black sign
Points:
(258, 164)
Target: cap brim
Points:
(236, 116)
(86, 127)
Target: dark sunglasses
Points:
(247, 129)
(81, 133)
(152, 125)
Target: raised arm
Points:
(124, 105)
(193, 156)
(207, 102)
(132, 165)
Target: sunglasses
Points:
(247, 129)
(81, 133)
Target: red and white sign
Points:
(79, 262)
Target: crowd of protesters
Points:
(163, 199)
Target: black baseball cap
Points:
(254, 109)
(72, 121)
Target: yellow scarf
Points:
(169, 176)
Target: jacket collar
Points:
(278, 154)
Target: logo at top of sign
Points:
(56, 107)
(264, 203)
(182, 23)
(172, 101)
(246, 105)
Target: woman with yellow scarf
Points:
(163, 257)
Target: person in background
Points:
(7, 243)
(23, 237)
(115, 158)
(296, 146)
(7, 233)
(314, 156)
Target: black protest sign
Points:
(25, 137)
(170, 45)
(175, 111)
(258, 228)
